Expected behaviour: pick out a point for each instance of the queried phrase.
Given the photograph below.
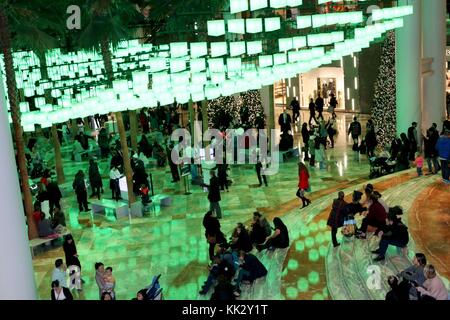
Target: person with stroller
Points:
(371, 139)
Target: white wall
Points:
(308, 84)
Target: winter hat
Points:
(357, 195)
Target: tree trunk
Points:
(107, 60)
(126, 158)
(58, 159)
(5, 40)
(133, 129)
(74, 128)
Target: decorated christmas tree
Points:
(223, 113)
(252, 111)
(384, 102)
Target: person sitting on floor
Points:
(251, 269)
(223, 290)
(260, 229)
(395, 233)
(414, 274)
(433, 288)
(45, 227)
(240, 239)
(278, 239)
(399, 291)
(376, 217)
(220, 267)
(60, 293)
(58, 218)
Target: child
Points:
(110, 282)
(144, 195)
(419, 163)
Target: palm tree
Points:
(107, 22)
(20, 19)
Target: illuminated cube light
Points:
(254, 25)
(303, 22)
(199, 78)
(158, 64)
(277, 3)
(299, 42)
(236, 26)
(219, 49)
(258, 4)
(279, 58)
(238, 6)
(234, 64)
(285, 44)
(197, 65)
(254, 47)
(177, 65)
(294, 3)
(180, 79)
(272, 24)
(216, 65)
(212, 92)
(319, 20)
(198, 96)
(265, 61)
(237, 48)
(199, 49)
(216, 28)
(178, 49)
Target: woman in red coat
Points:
(303, 183)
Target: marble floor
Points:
(170, 241)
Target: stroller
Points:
(381, 166)
(154, 290)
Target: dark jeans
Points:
(243, 275)
(223, 184)
(258, 172)
(215, 206)
(174, 171)
(384, 244)
(320, 114)
(96, 192)
(52, 204)
(115, 189)
(333, 236)
(433, 162)
(212, 276)
(82, 200)
(295, 115)
(445, 169)
(369, 222)
(311, 117)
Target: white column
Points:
(408, 67)
(434, 28)
(16, 268)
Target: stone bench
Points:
(291, 153)
(35, 243)
(120, 208)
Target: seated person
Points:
(433, 288)
(414, 274)
(251, 269)
(260, 229)
(278, 239)
(141, 295)
(241, 239)
(37, 213)
(395, 233)
(145, 196)
(220, 267)
(399, 291)
(376, 217)
(58, 218)
(45, 227)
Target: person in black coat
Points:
(251, 269)
(312, 111)
(95, 179)
(145, 147)
(223, 290)
(214, 194)
(336, 217)
(260, 229)
(412, 137)
(430, 152)
(295, 105)
(371, 139)
(60, 293)
(285, 122)
(395, 233)
(222, 176)
(54, 195)
(278, 239)
(261, 177)
(305, 137)
(241, 239)
(403, 157)
(319, 106)
(213, 234)
(70, 252)
(355, 131)
(398, 292)
(396, 145)
(80, 189)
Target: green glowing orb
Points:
(325, 292)
(322, 224)
(300, 246)
(291, 292)
(309, 242)
(317, 296)
(319, 238)
(304, 231)
(323, 250)
(302, 284)
(313, 277)
(313, 227)
(313, 255)
(292, 264)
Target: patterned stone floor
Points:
(171, 242)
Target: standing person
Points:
(279, 238)
(70, 252)
(312, 149)
(419, 164)
(143, 119)
(305, 137)
(430, 152)
(213, 234)
(303, 184)
(172, 165)
(95, 179)
(412, 137)
(312, 111)
(285, 122)
(259, 167)
(60, 293)
(331, 129)
(54, 195)
(79, 185)
(60, 273)
(222, 176)
(321, 156)
(114, 176)
(103, 142)
(319, 106)
(295, 105)
(355, 131)
(100, 278)
(371, 139)
(403, 161)
(443, 148)
(333, 104)
(214, 194)
(336, 217)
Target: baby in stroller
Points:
(381, 165)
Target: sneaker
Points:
(336, 245)
(379, 258)
(446, 181)
(375, 252)
(203, 292)
(237, 292)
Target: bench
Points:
(120, 208)
(35, 243)
(291, 153)
(162, 200)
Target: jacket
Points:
(434, 288)
(355, 129)
(443, 147)
(337, 214)
(214, 190)
(303, 180)
(254, 266)
(396, 232)
(377, 213)
(66, 292)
